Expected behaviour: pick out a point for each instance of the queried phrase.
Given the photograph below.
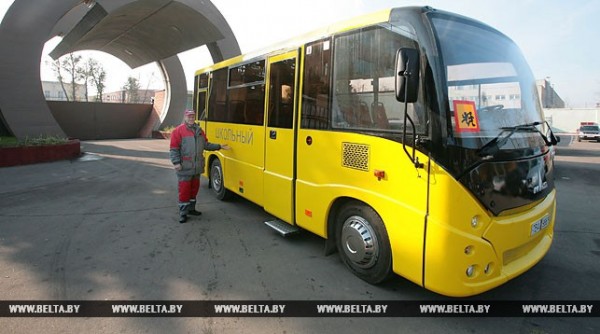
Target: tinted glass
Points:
(315, 95)
(281, 94)
(217, 103)
(363, 95)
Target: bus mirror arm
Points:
(411, 155)
(407, 91)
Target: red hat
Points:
(189, 112)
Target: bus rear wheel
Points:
(217, 180)
(363, 243)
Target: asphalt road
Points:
(104, 227)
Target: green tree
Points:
(98, 77)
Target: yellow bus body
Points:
(437, 229)
(503, 242)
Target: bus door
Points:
(279, 139)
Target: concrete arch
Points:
(137, 32)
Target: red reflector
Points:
(379, 174)
(308, 213)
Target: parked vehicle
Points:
(588, 131)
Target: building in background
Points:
(507, 94)
(53, 91)
(548, 96)
(145, 96)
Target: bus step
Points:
(282, 227)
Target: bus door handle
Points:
(273, 134)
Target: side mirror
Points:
(407, 75)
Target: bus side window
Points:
(217, 108)
(254, 111)
(246, 94)
(363, 78)
(380, 116)
(281, 97)
(315, 95)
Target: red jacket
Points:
(187, 145)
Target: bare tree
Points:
(71, 65)
(57, 69)
(77, 69)
(83, 73)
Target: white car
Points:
(588, 132)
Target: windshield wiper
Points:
(493, 146)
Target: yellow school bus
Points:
(411, 139)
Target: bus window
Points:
(246, 105)
(281, 98)
(363, 96)
(201, 103)
(246, 94)
(201, 83)
(247, 74)
(315, 96)
(218, 96)
(202, 80)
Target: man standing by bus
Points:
(188, 141)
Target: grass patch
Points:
(36, 141)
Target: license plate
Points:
(539, 225)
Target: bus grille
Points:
(355, 156)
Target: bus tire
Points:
(363, 243)
(217, 181)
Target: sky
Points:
(558, 38)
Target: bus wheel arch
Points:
(361, 240)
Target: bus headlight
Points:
(470, 270)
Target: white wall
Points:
(568, 119)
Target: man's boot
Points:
(192, 209)
(183, 211)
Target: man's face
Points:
(189, 119)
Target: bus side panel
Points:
(399, 198)
(455, 242)
(243, 165)
(278, 190)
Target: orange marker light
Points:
(379, 174)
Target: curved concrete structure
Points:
(137, 32)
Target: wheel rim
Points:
(359, 242)
(216, 179)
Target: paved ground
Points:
(104, 227)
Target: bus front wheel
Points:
(217, 180)
(363, 243)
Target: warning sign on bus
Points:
(465, 115)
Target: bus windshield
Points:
(489, 85)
